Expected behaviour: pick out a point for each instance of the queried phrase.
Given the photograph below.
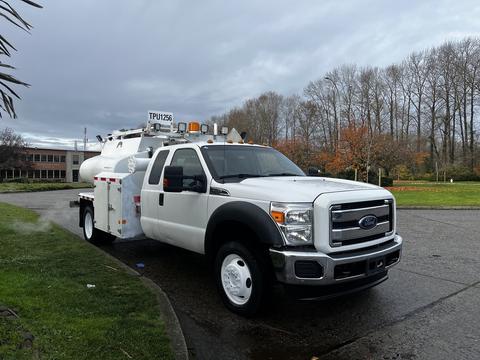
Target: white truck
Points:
(255, 215)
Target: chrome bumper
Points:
(284, 263)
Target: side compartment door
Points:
(183, 217)
(152, 196)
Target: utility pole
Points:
(85, 139)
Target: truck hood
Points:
(291, 188)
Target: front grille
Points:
(345, 219)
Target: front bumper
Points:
(335, 268)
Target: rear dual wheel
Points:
(92, 234)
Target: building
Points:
(50, 165)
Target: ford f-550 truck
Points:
(255, 214)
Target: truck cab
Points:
(260, 220)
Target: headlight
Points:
(295, 222)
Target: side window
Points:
(157, 168)
(188, 159)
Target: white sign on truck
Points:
(162, 117)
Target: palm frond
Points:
(15, 14)
(6, 66)
(8, 104)
(33, 4)
(4, 45)
(9, 89)
(8, 13)
(10, 78)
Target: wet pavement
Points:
(427, 309)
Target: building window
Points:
(43, 174)
(75, 159)
(56, 174)
(30, 174)
(63, 174)
(37, 174)
(44, 157)
(62, 158)
(50, 158)
(50, 174)
(56, 158)
(37, 157)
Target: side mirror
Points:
(173, 179)
(313, 171)
(201, 183)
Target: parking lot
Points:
(428, 309)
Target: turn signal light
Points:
(278, 216)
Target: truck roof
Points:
(215, 143)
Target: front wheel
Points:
(92, 234)
(242, 278)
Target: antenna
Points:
(85, 139)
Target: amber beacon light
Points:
(193, 127)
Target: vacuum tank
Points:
(122, 146)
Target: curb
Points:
(438, 207)
(172, 324)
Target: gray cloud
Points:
(103, 64)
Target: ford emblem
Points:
(368, 222)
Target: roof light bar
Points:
(182, 127)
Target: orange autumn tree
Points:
(361, 149)
(358, 148)
(298, 151)
(354, 150)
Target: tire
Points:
(92, 234)
(242, 278)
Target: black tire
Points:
(93, 235)
(260, 280)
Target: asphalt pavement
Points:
(428, 309)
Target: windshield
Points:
(237, 162)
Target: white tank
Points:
(129, 150)
(116, 154)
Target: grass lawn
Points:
(44, 272)
(422, 193)
(34, 186)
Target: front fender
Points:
(249, 215)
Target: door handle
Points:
(161, 197)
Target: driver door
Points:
(183, 216)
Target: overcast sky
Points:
(103, 64)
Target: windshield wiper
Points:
(240, 176)
(283, 174)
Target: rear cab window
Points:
(157, 167)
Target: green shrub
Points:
(386, 181)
